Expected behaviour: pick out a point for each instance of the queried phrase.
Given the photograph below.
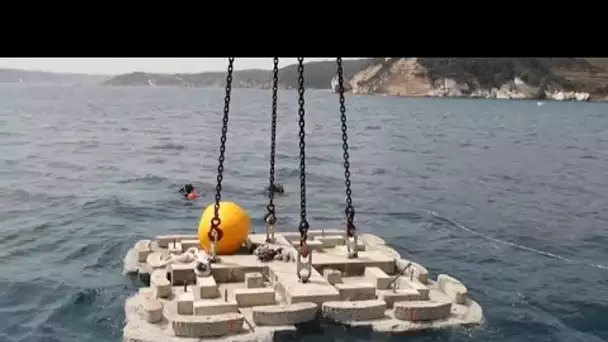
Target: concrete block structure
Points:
(245, 299)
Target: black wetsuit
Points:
(276, 188)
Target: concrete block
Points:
(186, 244)
(314, 245)
(317, 290)
(152, 309)
(345, 312)
(381, 279)
(333, 276)
(185, 303)
(331, 241)
(286, 314)
(254, 280)
(203, 326)
(175, 248)
(371, 240)
(315, 233)
(160, 284)
(181, 274)
(254, 297)
(343, 250)
(401, 295)
(214, 307)
(360, 246)
(142, 249)
(428, 310)
(206, 287)
(356, 291)
(453, 288)
(406, 282)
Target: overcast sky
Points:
(125, 65)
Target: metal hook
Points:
(213, 257)
(351, 246)
(202, 269)
(270, 233)
(304, 266)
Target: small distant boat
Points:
(151, 83)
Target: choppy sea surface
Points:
(508, 196)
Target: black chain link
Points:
(270, 217)
(301, 113)
(349, 210)
(215, 232)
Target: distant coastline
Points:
(43, 77)
(562, 79)
(318, 75)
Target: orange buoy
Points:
(235, 225)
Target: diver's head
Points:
(188, 191)
(188, 188)
(276, 188)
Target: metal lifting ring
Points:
(351, 246)
(270, 222)
(215, 238)
(213, 233)
(304, 268)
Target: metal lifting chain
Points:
(215, 233)
(303, 268)
(349, 211)
(301, 113)
(270, 217)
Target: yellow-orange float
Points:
(235, 225)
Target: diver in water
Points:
(276, 188)
(189, 192)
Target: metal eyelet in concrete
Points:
(287, 314)
(427, 310)
(453, 288)
(363, 310)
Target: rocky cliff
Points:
(317, 75)
(553, 78)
